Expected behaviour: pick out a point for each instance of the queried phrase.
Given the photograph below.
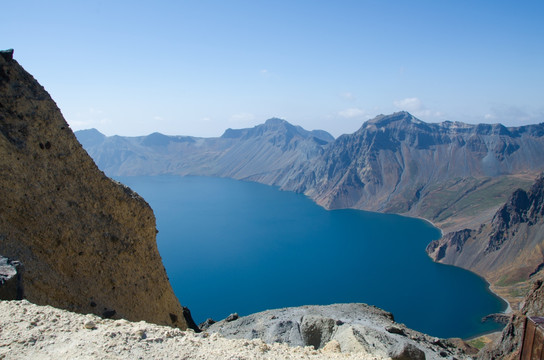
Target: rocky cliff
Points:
(508, 251)
(87, 243)
(451, 173)
(508, 345)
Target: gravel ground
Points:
(42, 332)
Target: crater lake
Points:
(232, 246)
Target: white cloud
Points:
(352, 113)
(415, 107)
(514, 115)
(409, 104)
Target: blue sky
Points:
(199, 67)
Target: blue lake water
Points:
(231, 246)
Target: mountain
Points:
(451, 173)
(270, 153)
(87, 243)
(508, 251)
(444, 172)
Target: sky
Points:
(198, 67)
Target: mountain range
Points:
(453, 174)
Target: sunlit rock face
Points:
(86, 242)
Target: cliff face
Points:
(507, 251)
(508, 346)
(400, 164)
(87, 242)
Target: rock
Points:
(60, 334)
(188, 319)
(408, 352)
(231, 317)
(332, 346)
(108, 314)
(498, 318)
(316, 330)
(90, 325)
(395, 330)
(83, 238)
(11, 279)
(362, 330)
(206, 324)
(7, 54)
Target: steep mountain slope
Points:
(400, 164)
(270, 153)
(87, 243)
(508, 345)
(508, 251)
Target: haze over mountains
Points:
(451, 173)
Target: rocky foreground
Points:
(355, 328)
(32, 331)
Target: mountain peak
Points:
(403, 117)
(275, 121)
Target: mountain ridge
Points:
(393, 163)
(507, 250)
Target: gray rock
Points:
(316, 330)
(351, 327)
(206, 324)
(408, 352)
(232, 317)
(11, 279)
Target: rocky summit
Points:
(87, 243)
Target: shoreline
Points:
(506, 311)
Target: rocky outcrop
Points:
(507, 347)
(87, 242)
(348, 327)
(508, 250)
(11, 279)
(43, 332)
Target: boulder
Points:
(11, 279)
(339, 327)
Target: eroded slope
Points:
(87, 243)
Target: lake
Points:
(231, 246)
